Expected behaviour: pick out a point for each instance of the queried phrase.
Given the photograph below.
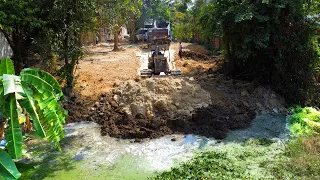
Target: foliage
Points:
(67, 20)
(8, 169)
(206, 165)
(47, 28)
(267, 41)
(159, 10)
(182, 21)
(116, 13)
(22, 20)
(255, 159)
(31, 98)
(205, 17)
(305, 120)
(182, 32)
(303, 159)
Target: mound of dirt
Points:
(159, 98)
(195, 55)
(197, 48)
(204, 103)
(116, 122)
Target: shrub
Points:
(304, 120)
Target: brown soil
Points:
(102, 68)
(234, 103)
(195, 60)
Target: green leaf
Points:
(52, 116)
(41, 85)
(6, 67)
(3, 110)
(13, 132)
(12, 84)
(48, 78)
(47, 93)
(7, 168)
(29, 104)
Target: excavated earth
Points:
(201, 102)
(208, 105)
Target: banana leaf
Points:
(13, 132)
(52, 116)
(35, 81)
(7, 167)
(6, 67)
(44, 76)
(12, 84)
(29, 104)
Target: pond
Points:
(88, 155)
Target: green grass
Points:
(303, 159)
(252, 160)
(256, 159)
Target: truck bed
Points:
(159, 33)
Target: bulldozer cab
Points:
(159, 58)
(157, 61)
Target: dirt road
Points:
(102, 68)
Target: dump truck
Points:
(159, 58)
(158, 33)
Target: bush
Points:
(272, 42)
(305, 121)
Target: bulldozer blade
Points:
(176, 72)
(146, 73)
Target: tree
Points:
(182, 21)
(33, 98)
(267, 41)
(22, 20)
(67, 20)
(54, 24)
(117, 13)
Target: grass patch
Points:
(303, 159)
(206, 165)
(255, 159)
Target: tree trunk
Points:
(101, 35)
(17, 50)
(116, 40)
(132, 31)
(100, 26)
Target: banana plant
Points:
(35, 94)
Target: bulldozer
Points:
(158, 62)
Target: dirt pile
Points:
(204, 103)
(155, 107)
(195, 55)
(116, 122)
(161, 98)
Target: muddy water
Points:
(87, 155)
